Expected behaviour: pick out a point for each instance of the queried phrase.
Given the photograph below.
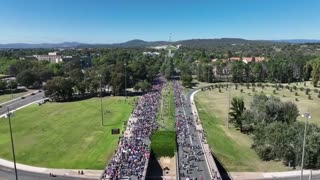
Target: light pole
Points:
(125, 79)
(101, 105)
(8, 115)
(306, 115)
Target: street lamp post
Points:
(9, 114)
(101, 105)
(125, 79)
(306, 115)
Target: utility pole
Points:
(12, 144)
(306, 115)
(101, 105)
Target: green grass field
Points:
(232, 147)
(166, 114)
(8, 97)
(65, 135)
(163, 143)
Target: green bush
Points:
(241, 90)
(274, 91)
(296, 94)
(297, 99)
(163, 143)
(309, 97)
(307, 91)
(294, 88)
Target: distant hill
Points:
(136, 43)
(298, 41)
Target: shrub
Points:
(301, 89)
(253, 90)
(253, 84)
(290, 89)
(307, 91)
(274, 91)
(283, 95)
(309, 97)
(287, 87)
(296, 94)
(318, 95)
(241, 90)
(304, 84)
(297, 99)
(280, 86)
(259, 84)
(248, 85)
(262, 86)
(316, 90)
(236, 86)
(261, 92)
(219, 90)
(294, 87)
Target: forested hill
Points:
(136, 43)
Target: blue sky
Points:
(110, 21)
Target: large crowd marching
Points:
(131, 156)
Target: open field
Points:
(8, 97)
(65, 135)
(166, 114)
(232, 147)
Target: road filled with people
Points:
(192, 164)
(129, 160)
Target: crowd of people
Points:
(191, 152)
(133, 151)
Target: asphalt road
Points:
(191, 168)
(8, 174)
(21, 102)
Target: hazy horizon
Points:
(102, 22)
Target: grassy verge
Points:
(163, 143)
(66, 135)
(166, 114)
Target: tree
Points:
(12, 84)
(3, 85)
(59, 89)
(26, 78)
(186, 79)
(237, 109)
(315, 72)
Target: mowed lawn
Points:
(66, 135)
(232, 147)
